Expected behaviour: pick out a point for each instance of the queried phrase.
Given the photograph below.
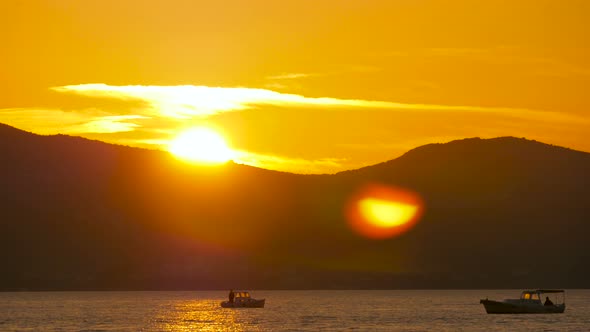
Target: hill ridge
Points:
(89, 215)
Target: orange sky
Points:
(304, 86)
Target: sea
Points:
(317, 310)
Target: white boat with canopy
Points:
(242, 299)
(539, 301)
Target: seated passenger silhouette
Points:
(547, 301)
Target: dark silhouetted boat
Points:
(242, 299)
(530, 302)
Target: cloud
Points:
(110, 124)
(188, 101)
(52, 121)
(340, 70)
(294, 165)
(289, 76)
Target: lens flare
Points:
(379, 211)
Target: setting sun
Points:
(201, 145)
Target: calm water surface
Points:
(411, 310)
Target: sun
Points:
(202, 145)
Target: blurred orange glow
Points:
(379, 211)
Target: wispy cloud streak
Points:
(296, 165)
(289, 76)
(51, 121)
(188, 101)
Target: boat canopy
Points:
(550, 290)
(544, 291)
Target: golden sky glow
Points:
(302, 86)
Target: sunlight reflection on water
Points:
(203, 315)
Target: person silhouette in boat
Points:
(231, 296)
(547, 301)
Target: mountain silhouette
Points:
(77, 214)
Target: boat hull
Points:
(497, 307)
(250, 303)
